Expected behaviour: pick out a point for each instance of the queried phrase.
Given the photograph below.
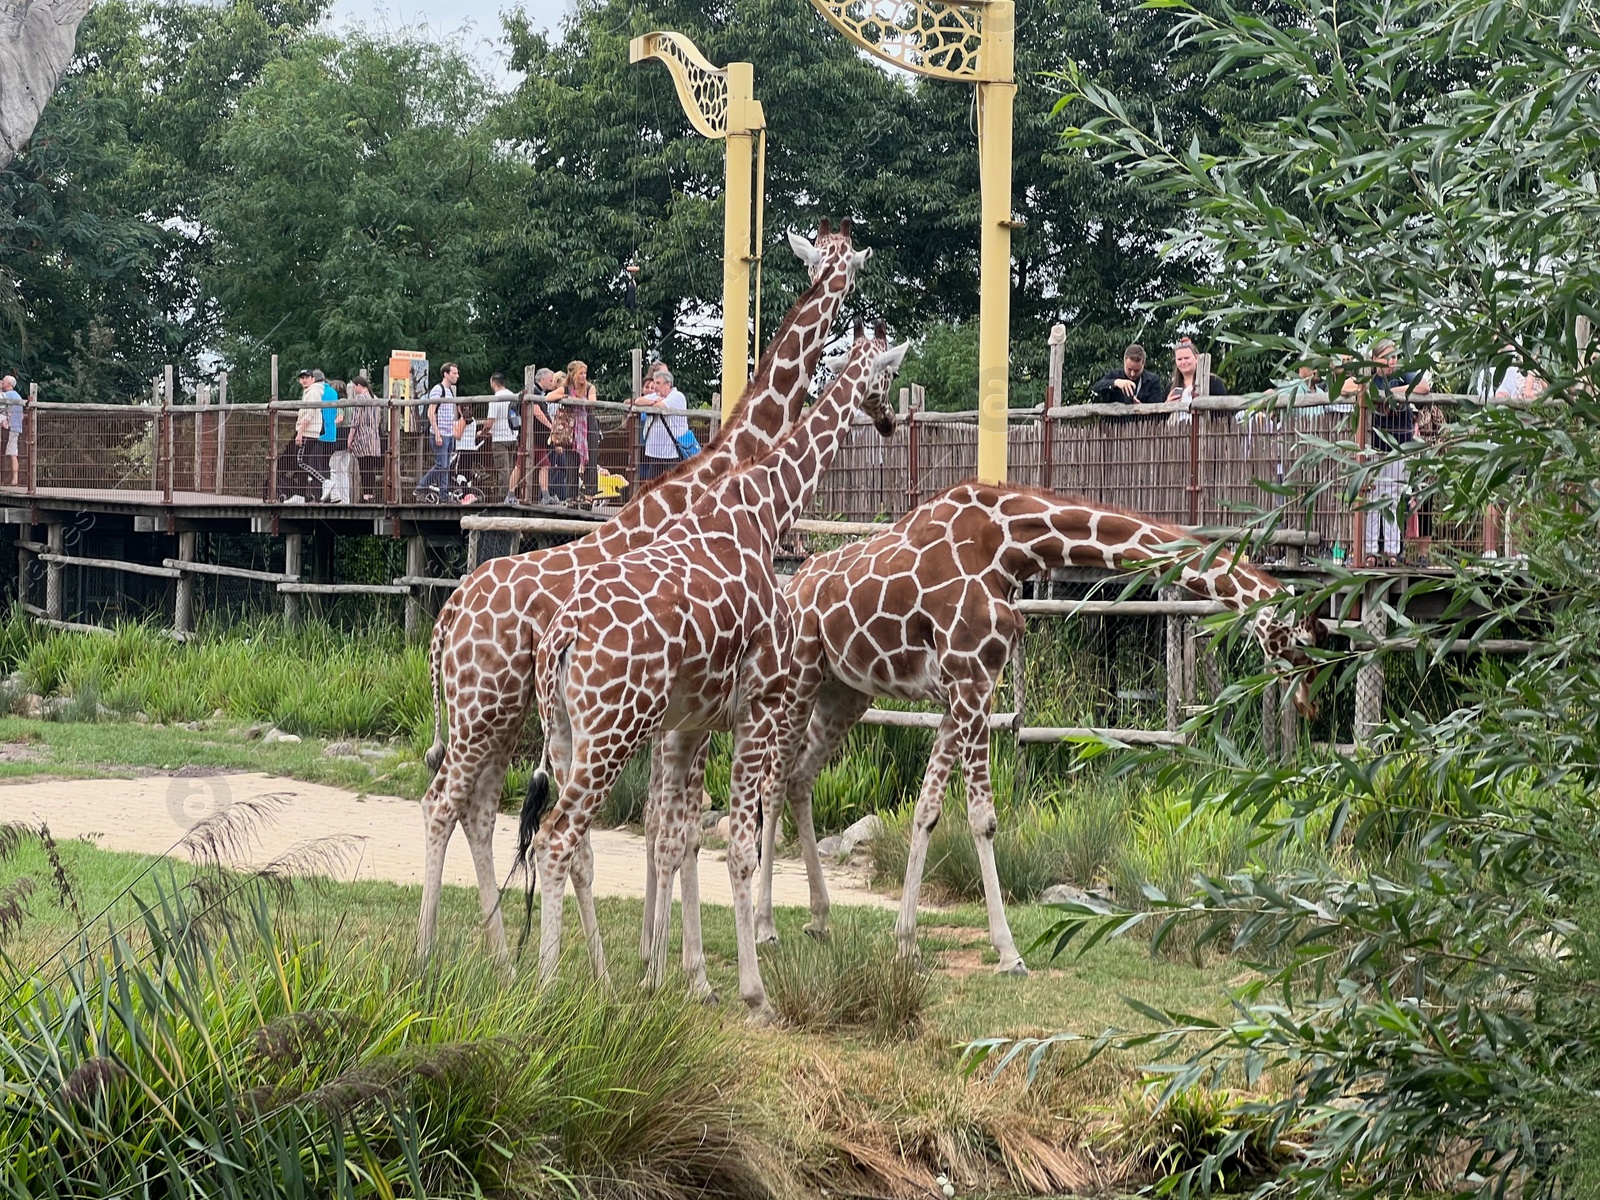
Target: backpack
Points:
(562, 429)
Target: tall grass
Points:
(312, 679)
(241, 1061)
(853, 978)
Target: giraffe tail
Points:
(534, 807)
(434, 758)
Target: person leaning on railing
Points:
(662, 428)
(1133, 384)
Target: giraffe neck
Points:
(767, 411)
(776, 396)
(795, 468)
(1039, 532)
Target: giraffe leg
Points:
(930, 804)
(694, 951)
(583, 888)
(805, 678)
(652, 822)
(838, 710)
(676, 759)
(981, 818)
(439, 816)
(478, 824)
(560, 842)
(752, 740)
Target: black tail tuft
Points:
(534, 807)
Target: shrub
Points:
(850, 979)
(1162, 1135)
(237, 1060)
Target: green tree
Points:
(103, 238)
(1435, 1018)
(351, 209)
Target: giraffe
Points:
(687, 633)
(923, 611)
(482, 647)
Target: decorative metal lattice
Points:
(925, 36)
(702, 88)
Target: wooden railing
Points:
(1200, 463)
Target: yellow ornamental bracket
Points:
(969, 41)
(720, 103)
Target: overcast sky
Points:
(473, 24)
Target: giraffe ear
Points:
(891, 359)
(804, 250)
(859, 258)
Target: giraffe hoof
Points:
(816, 933)
(707, 996)
(767, 939)
(1017, 970)
(762, 1017)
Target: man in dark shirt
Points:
(1131, 385)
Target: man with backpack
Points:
(504, 423)
(441, 427)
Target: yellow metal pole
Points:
(739, 163)
(995, 97)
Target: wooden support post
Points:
(638, 372)
(1269, 720)
(168, 436)
(416, 565)
(530, 471)
(391, 455)
(183, 586)
(1019, 698)
(1052, 399)
(202, 402)
(474, 549)
(293, 547)
(1369, 676)
(30, 431)
(1288, 722)
(222, 432)
(272, 442)
(23, 563)
(1176, 678)
(913, 449)
(54, 603)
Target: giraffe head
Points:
(833, 255)
(1293, 644)
(883, 365)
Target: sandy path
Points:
(150, 814)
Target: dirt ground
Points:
(151, 815)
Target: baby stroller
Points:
(461, 486)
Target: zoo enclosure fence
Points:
(1201, 462)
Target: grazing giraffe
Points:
(687, 633)
(924, 611)
(481, 652)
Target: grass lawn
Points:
(843, 1107)
(109, 749)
